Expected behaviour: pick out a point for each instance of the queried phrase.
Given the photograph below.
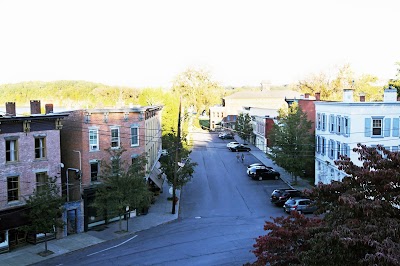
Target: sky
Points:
(147, 43)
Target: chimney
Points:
(35, 107)
(362, 97)
(317, 96)
(347, 95)
(306, 95)
(49, 108)
(10, 109)
(390, 95)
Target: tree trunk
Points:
(45, 242)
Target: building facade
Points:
(30, 147)
(340, 126)
(88, 134)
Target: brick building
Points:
(30, 152)
(86, 136)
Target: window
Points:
(11, 150)
(338, 150)
(40, 148)
(94, 170)
(93, 139)
(331, 149)
(115, 137)
(41, 179)
(12, 188)
(135, 135)
(331, 123)
(323, 122)
(346, 126)
(376, 127)
(338, 124)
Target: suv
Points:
(280, 196)
(262, 173)
(301, 205)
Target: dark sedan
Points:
(240, 147)
(280, 196)
(262, 173)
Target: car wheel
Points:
(259, 178)
(276, 177)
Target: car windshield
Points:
(291, 201)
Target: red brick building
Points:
(86, 136)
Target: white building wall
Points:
(358, 117)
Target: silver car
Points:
(301, 205)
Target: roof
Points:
(282, 94)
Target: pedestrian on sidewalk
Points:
(242, 157)
(237, 156)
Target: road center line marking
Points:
(112, 246)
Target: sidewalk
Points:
(159, 213)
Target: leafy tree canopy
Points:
(122, 188)
(45, 209)
(331, 85)
(197, 89)
(292, 143)
(177, 152)
(243, 126)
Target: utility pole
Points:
(177, 149)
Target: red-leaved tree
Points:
(360, 218)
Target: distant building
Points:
(259, 117)
(30, 154)
(339, 126)
(234, 104)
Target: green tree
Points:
(45, 210)
(292, 143)
(197, 89)
(124, 185)
(330, 86)
(177, 151)
(396, 82)
(243, 126)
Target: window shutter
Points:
(323, 122)
(367, 128)
(386, 132)
(395, 132)
(348, 127)
(330, 123)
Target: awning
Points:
(157, 177)
(13, 218)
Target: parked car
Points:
(240, 147)
(301, 205)
(262, 173)
(225, 135)
(232, 144)
(280, 196)
(261, 165)
(257, 167)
